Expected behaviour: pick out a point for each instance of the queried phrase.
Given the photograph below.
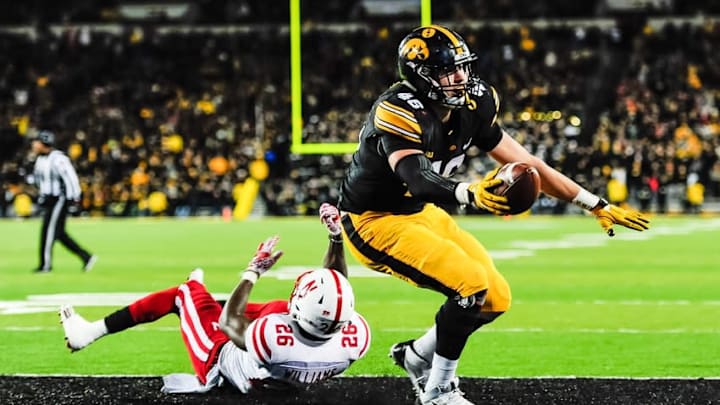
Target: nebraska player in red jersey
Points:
(314, 336)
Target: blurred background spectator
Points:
(164, 108)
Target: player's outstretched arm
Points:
(609, 215)
(562, 187)
(335, 254)
(233, 321)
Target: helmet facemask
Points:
(450, 85)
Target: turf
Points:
(638, 305)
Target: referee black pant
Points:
(53, 228)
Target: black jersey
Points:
(399, 120)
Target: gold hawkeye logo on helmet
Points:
(415, 49)
(428, 32)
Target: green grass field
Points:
(638, 305)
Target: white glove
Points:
(264, 257)
(330, 217)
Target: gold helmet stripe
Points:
(459, 48)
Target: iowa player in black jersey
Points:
(415, 137)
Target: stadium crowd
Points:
(170, 122)
(257, 11)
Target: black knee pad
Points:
(456, 320)
(459, 315)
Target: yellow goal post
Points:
(297, 144)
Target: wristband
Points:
(587, 200)
(462, 194)
(335, 238)
(250, 276)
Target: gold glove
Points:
(483, 198)
(609, 215)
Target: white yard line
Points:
(654, 303)
(51, 302)
(590, 331)
(598, 331)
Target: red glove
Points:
(264, 257)
(330, 217)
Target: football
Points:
(521, 186)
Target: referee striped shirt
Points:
(56, 177)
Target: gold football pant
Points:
(426, 249)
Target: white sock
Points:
(442, 372)
(425, 345)
(98, 329)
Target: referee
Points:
(58, 190)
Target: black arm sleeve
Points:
(423, 182)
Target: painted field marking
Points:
(50, 302)
(653, 303)
(597, 331)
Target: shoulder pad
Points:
(257, 342)
(396, 115)
(485, 99)
(363, 334)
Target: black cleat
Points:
(418, 373)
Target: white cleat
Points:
(444, 395)
(78, 331)
(197, 275)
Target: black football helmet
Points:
(432, 52)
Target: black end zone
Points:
(364, 390)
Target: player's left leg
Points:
(66, 239)
(456, 320)
(79, 332)
(460, 316)
(425, 254)
(51, 216)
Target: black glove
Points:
(41, 200)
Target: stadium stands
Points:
(628, 109)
